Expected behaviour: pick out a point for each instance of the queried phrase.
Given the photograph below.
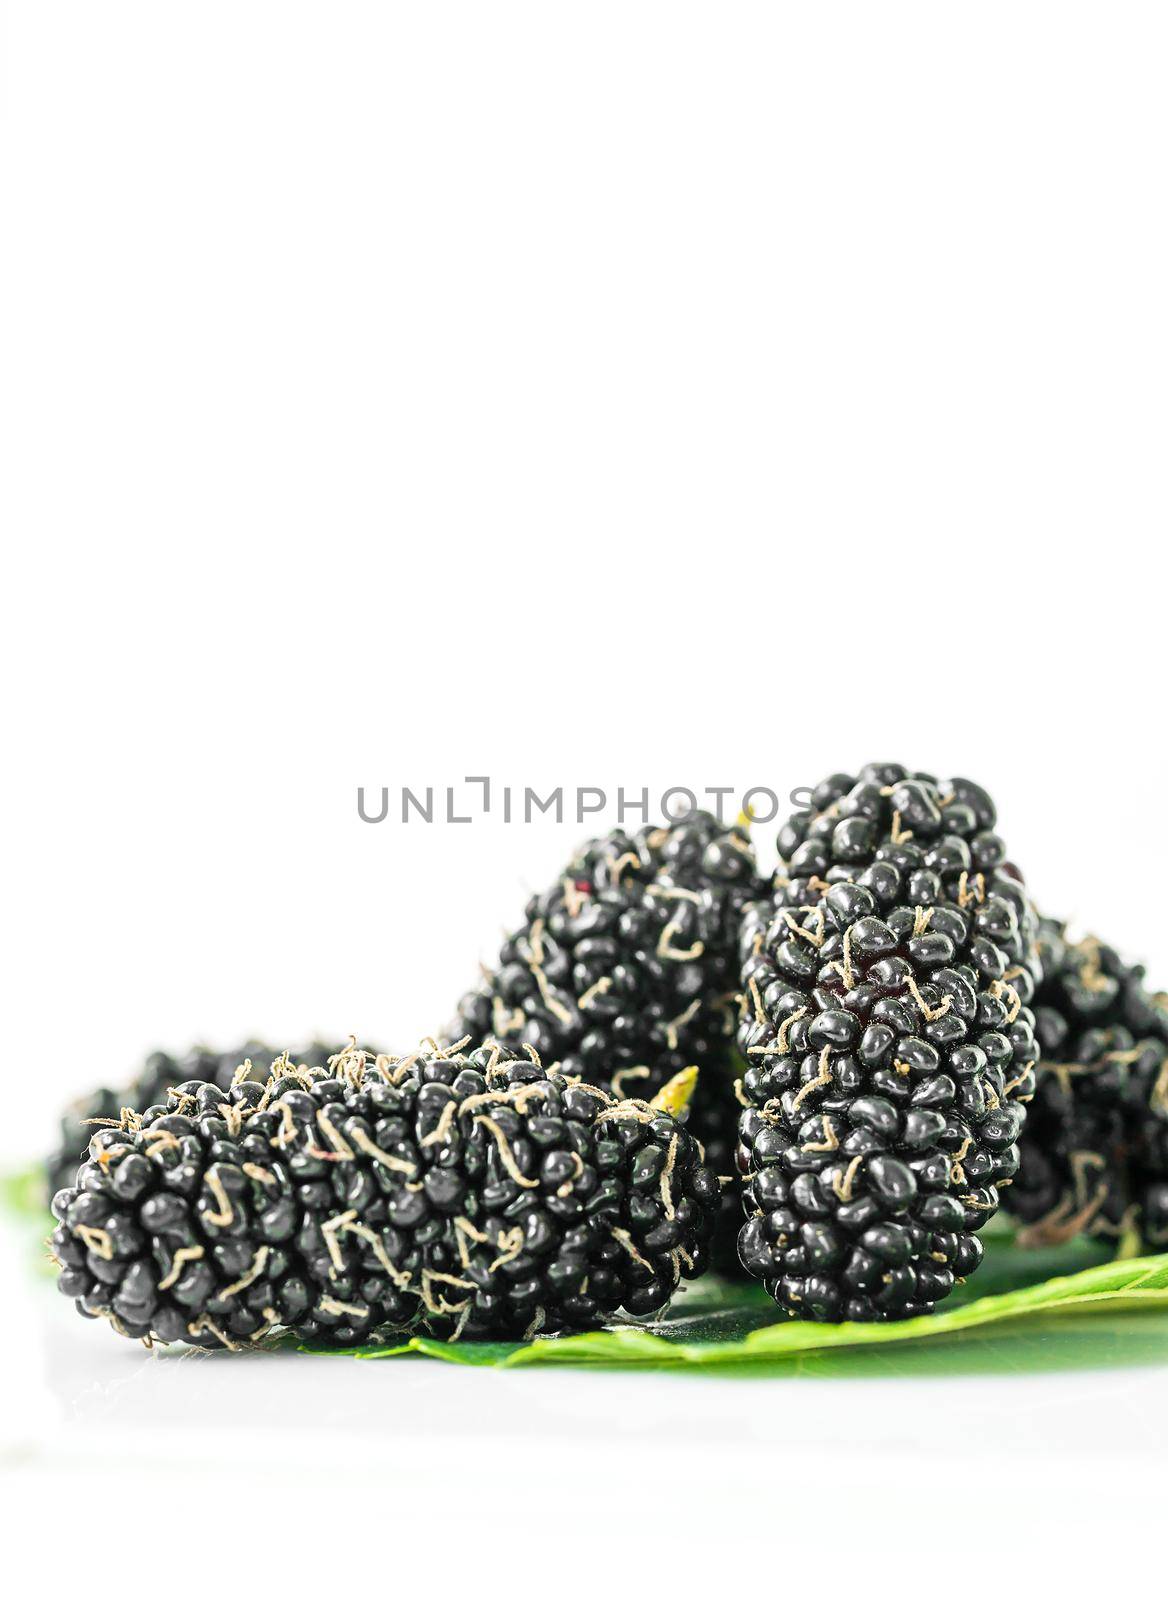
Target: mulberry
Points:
(1095, 1149)
(880, 1116)
(474, 1195)
(625, 972)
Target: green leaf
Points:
(717, 1326)
(23, 1198)
(22, 1194)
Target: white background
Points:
(607, 394)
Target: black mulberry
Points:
(880, 1117)
(1095, 1149)
(474, 1195)
(625, 971)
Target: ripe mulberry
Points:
(625, 972)
(879, 1120)
(473, 1195)
(1095, 1149)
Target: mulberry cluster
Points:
(939, 834)
(475, 1195)
(625, 971)
(893, 984)
(158, 1074)
(1095, 1150)
(881, 1094)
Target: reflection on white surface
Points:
(93, 1388)
(725, 1463)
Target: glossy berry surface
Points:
(471, 1195)
(940, 834)
(886, 1053)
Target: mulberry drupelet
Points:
(625, 971)
(879, 1117)
(474, 1195)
